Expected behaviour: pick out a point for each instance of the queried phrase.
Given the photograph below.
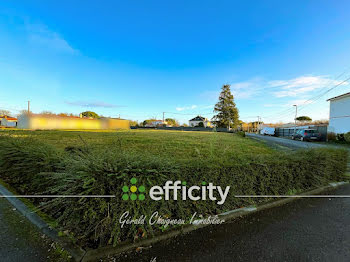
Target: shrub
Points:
(347, 137)
(37, 167)
(95, 221)
(331, 136)
(241, 133)
(340, 137)
(23, 158)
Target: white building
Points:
(199, 119)
(8, 121)
(339, 114)
(156, 123)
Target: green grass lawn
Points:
(175, 145)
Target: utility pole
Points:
(163, 117)
(258, 125)
(295, 119)
(28, 107)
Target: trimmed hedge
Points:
(32, 166)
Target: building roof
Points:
(11, 118)
(198, 118)
(8, 117)
(337, 97)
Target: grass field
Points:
(176, 145)
(102, 163)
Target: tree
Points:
(304, 119)
(5, 113)
(133, 123)
(172, 122)
(24, 112)
(90, 114)
(47, 113)
(227, 112)
(148, 121)
(200, 124)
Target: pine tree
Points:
(227, 112)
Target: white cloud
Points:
(246, 89)
(298, 102)
(186, 108)
(91, 104)
(39, 34)
(301, 85)
(272, 105)
(239, 90)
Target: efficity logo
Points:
(177, 190)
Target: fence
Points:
(187, 128)
(288, 132)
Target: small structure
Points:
(8, 121)
(339, 114)
(195, 122)
(38, 121)
(156, 123)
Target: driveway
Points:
(288, 144)
(20, 240)
(284, 142)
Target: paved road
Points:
(20, 240)
(305, 230)
(288, 143)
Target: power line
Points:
(321, 95)
(311, 100)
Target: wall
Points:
(196, 123)
(8, 123)
(288, 132)
(339, 120)
(57, 122)
(218, 129)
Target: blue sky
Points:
(141, 58)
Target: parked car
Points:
(307, 135)
(268, 131)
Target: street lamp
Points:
(295, 119)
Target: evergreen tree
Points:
(227, 112)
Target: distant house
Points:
(339, 114)
(8, 121)
(156, 123)
(41, 121)
(199, 119)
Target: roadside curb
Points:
(75, 251)
(79, 254)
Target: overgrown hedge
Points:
(34, 167)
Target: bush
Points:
(95, 221)
(347, 137)
(23, 158)
(37, 167)
(331, 136)
(340, 137)
(241, 133)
